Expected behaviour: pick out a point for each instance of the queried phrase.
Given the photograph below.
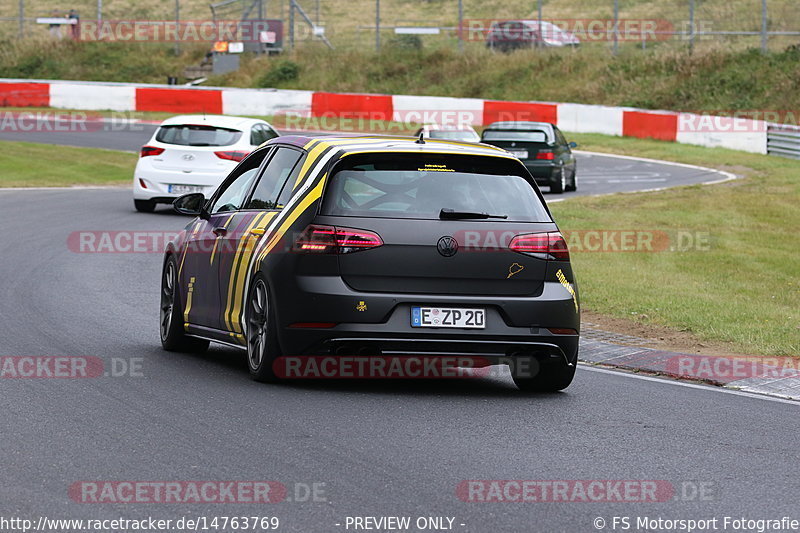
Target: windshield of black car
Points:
(533, 136)
(420, 186)
(197, 135)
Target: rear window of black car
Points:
(197, 135)
(528, 136)
(420, 186)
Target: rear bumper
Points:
(543, 172)
(380, 324)
(157, 181)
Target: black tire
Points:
(559, 181)
(261, 333)
(173, 336)
(552, 375)
(573, 182)
(144, 206)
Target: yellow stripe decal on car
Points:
(188, 304)
(235, 266)
(312, 196)
(238, 295)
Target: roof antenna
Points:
(420, 140)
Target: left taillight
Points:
(546, 245)
(231, 155)
(150, 150)
(335, 240)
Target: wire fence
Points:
(506, 25)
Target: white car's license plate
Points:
(519, 154)
(184, 189)
(448, 317)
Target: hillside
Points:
(719, 76)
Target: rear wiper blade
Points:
(200, 144)
(451, 214)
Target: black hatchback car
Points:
(336, 246)
(541, 147)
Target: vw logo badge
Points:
(447, 246)
(188, 157)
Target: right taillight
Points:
(545, 154)
(546, 245)
(335, 240)
(232, 155)
(150, 150)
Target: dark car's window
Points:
(528, 136)
(260, 134)
(235, 187)
(197, 135)
(413, 186)
(560, 139)
(269, 133)
(265, 195)
(256, 137)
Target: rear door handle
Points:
(257, 231)
(220, 231)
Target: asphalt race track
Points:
(596, 174)
(396, 448)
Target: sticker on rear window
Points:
(435, 168)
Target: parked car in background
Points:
(193, 153)
(541, 147)
(510, 35)
(464, 133)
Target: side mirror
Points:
(573, 145)
(191, 204)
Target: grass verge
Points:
(743, 290)
(43, 165)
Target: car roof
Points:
(529, 22)
(520, 125)
(219, 121)
(353, 144)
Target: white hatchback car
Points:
(193, 153)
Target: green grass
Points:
(41, 165)
(744, 290)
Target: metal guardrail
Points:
(783, 140)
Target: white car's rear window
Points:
(197, 135)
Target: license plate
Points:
(448, 317)
(184, 189)
(519, 154)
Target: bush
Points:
(282, 72)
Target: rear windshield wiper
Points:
(451, 214)
(200, 144)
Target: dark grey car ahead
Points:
(541, 147)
